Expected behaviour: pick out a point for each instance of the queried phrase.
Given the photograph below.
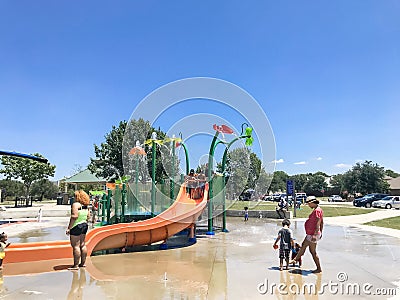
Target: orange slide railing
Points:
(182, 214)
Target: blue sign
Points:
(289, 187)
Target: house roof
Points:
(85, 177)
(394, 183)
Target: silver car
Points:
(335, 198)
(388, 202)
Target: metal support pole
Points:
(103, 208)
(172, 177)
(210, 185)
(116, 205)
(135, 199)
(123, 202)
(153, 176)
(224, 159)
(109, 195)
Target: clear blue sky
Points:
(326, 73)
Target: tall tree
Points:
(391, 173)
(26, 170)
(337, 182)
(112, 156)
(365, 178)
(254, 170)
(108, 162)
(300, 180)
(263, 181)
(278, 183)
(11, 188)
(238, 167)
(315, 183)
(44, 188)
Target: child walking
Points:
(3, 246)
(246, 213)
(296, 250)
(285, 237)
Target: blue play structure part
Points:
(22, 155)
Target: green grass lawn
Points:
(11, 203)
(388, 223)
(329, 211)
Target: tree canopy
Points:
(365, 178)
(26, 170)
(392, 173)
(112, 159)
(44, 188)
(11, 188)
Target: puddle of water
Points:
(40, 235)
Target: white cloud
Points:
(342, 166)
(279, 161)
(300, 163)
(319, 158)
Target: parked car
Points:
(276, 197)
(246, 195)
(301, 197)
(387, 202)
(335, 198)
(266, 197)
(367, 200)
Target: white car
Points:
(388, 202)
(335, 198)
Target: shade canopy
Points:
(85, 177)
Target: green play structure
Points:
(131, 199)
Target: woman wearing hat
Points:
(313, 227)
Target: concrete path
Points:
(238, 265)
(359, 220)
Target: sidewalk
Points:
(359, 220)
(47, 209)
(22, 219)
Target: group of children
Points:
(195, 184)
(286, 242)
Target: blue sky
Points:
(326, 73)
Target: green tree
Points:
(254, 170)
(278, 182)
(26, 170)
(238, 166)
(44, 188)
(300, 180)
(263, 181)
(315, 183)
(391, 173)
(112, 159)
(337, 182)
(108, 162)
(365, 178)
(11, 188)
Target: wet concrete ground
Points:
(240, 264)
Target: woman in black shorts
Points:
(77, 228)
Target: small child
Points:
(3, 246)
(285, 236)
(296, 250)
(246, 213)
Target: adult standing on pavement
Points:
(313, 226)
(78, 227)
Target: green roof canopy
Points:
(85, 177)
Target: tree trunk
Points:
(28, 186)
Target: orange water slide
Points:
(182, 214)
